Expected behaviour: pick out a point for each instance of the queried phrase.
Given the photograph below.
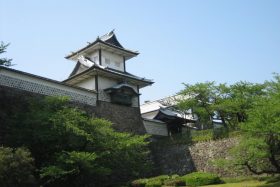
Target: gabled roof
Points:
(78, 68)
(108, 42)
(167, 115)
(111, 38)
(108, 72)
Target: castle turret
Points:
(101, 66)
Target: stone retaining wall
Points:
(203, 153)
(182, 159)
(124, 119)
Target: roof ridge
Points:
(111, 33)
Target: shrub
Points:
(200, 178)
(160, 178)
(154, 183)
(151, 182)
(175, 182)
(202, 135)
(16, 167)
(174, 176)
(139, 183)
(219, 133)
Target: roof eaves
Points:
(110, 71)
(103, 42)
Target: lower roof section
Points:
(110, 73)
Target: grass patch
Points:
(252, 183)
(207, 180)
(202, 135)
(201, 178)
(268, 181)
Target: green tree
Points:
(259, 148)
(263, 126)
(4, 61)
(71, 148)
(198, 98)
(228, 103)
(16, 167)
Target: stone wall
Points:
(203, 153)
(182, 159)
(124, 119)
(172, 159)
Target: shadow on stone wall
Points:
(124, 119)
(171, 158)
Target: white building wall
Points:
(87, 84)
(94, 57)
(156, 128)
(112, 60)
(104, 83)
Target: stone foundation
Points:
(124, 119)
(182, 159)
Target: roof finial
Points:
(112, 32)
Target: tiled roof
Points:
(109, 40)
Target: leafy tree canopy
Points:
(259, 147)
(4, 61)
(72, 149)
(219, 101)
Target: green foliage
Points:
(193, 179)
(4, 61)
(259, 149)
(202, 135)
(16, 167)
(200, 178)
(72, 149)
(175, 182)
(154, 183)
(73, 168)
(198, 99)
(139, 183)
(230, 104)
(221, 132)
(151, 182)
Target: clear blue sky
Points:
(179, 41)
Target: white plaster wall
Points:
(116, 61)
(94, 57)
(104, 83)
(156, 128)
(87, 84)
